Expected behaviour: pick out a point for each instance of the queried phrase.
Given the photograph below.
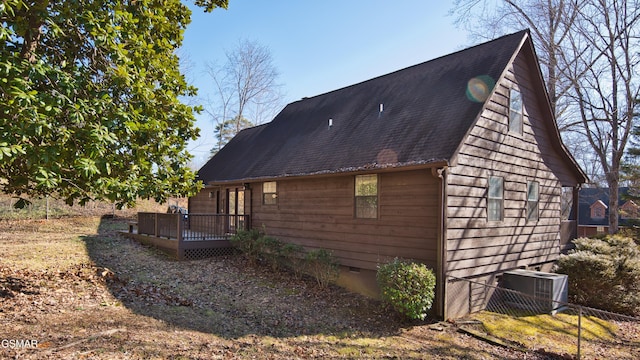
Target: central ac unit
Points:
(542, 292)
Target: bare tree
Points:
(603, 59)
(247, 89)
(589, 54)
(549, 21)
(220, 108)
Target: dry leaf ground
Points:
(82, 292)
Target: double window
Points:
(495, 199)
(366, 197)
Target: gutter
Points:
(367, 169)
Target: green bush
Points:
(292, 257)
(604, 273)
(408, 287)
(247, 242)
(258, 247)
(270, 251)
(632, 231)
(323, 266)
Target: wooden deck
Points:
(189, 237)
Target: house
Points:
(455, 162)
(593, 210)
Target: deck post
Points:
(155, 224)
(179, 235)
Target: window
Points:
(232, 205)
(366, 196)
(533, 198)
(269, 193)
(597, 212)
(515, 111)
(495, 198)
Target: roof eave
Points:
(581, 176)
(367, 169)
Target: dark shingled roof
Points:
(426, 114)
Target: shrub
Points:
(292, 257)
(269, 250)
(258, 247)
(247, 242)
(322, 265)
(408, 287)
(632, 231)
(604, 273)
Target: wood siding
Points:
(319, 213)
(204, 202)
(476, 246)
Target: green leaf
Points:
(97, 104)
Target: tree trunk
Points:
(33, 31)
(613, 180)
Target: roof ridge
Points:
(515, 34)
(416, 116)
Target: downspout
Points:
(441, 262)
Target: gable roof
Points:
(599, 203)
(414, 116)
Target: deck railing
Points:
(189, 237)
(191, 227)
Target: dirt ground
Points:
(73, 289)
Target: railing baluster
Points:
(195, 227)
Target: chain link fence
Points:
(543, 324)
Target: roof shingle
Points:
(426, 113)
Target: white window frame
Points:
(495, 197)
(533, 201)
(516, 112)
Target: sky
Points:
(317, 46)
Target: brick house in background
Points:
(593, 211)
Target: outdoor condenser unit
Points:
(544, 292)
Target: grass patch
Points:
(41, 245)
(555, 333)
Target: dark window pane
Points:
(494, 210)
(367, 207)
(269, 199)
(533, 198)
